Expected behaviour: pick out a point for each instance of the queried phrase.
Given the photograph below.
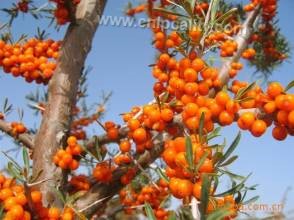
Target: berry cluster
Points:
(18, 128)
(149, 193)
(68, 158)
(33, 60)
(62, 13)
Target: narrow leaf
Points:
(254, 199)
(161, 174)
(289, 86)
(189, 153)
(26, 159)
(231, 148)
(204, 196)
(229, 161)
(201, 126)
(149, 211)
(234, 189)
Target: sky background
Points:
(120, 57)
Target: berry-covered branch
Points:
(18, 133)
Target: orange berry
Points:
(279, 133)
(197, 190)
(191, 109)
(269, 107)
(185, 188)
(36, 196)
(167, 115)
(125, 146)
(134, 124)
(9, 203)
(71, 140)
(246, 120)
(140, 135)
(198, 64)
(53, 213)
(274, 89)
(258, 128)
(207, 166)
(113, 133)
(190, 75)
(16, 211)
(291, 118)
(222, 98)
(225, 118)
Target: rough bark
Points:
(62, 93)
(25, 138)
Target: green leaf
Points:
(214, 8)
(232, 175)
(149, 211)
(254, 199)
(214, 134)
(12, 160)
(244, 91)
(165, 97)
(172, 216)
(193, 4)
(229, 161)
(245, 99)
(234, 189)
(34, 178)
(1, 212)
(204, 196)
(231, 148)
(289, 86)
(60, 195)
(201, 126)
(218, 214)
(26, 159)
(14, 171)
(226, 15)
(189, 153)
(161, 174)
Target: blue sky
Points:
(120, 59)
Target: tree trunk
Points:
(62, 94)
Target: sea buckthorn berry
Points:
(258, 128)
(274, 89)
(125, 146)
(222, 98)
(246, 120)
(279, 133)
(140, 135)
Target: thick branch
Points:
(242, 40)
(62, 94)
(25, 138)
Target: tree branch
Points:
(99, 191)
(25, 138)
(242, 39)
(62, 94)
